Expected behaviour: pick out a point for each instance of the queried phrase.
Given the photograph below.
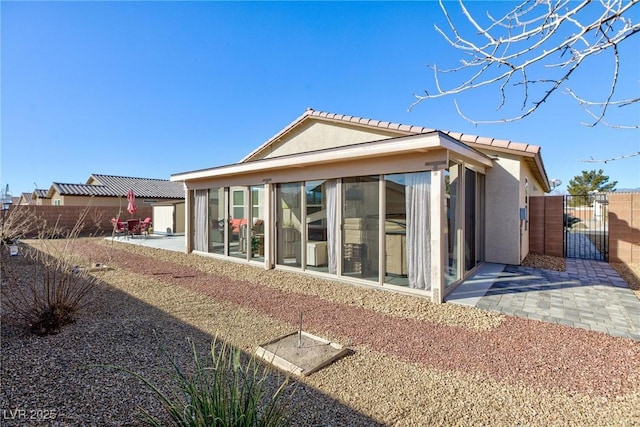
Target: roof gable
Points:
(26, 199)
(314, 135)
(297, 138)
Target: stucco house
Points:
(111, 190)
(370, 202)
(38, 197)
(165, 198)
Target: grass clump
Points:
(229, 392)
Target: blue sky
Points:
(150, 89)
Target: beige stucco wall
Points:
(66, 200)
(180, 218)
(507, 237)
(502, 229)
(317, 136)
(529, 187)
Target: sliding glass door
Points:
(317, 226)
(217, 220)
(289, 224)
(360, 223)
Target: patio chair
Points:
(133, 227)
(118, 226)
(144, 226)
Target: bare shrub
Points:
(16, 223)
(58, 284)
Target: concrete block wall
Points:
(97, 221)
(624, 227)
(546, 232)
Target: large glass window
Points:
(289, 224)
(317, 250)
(481, 218)
(452, 189)
(200, 215)
(469, 219)
(395, 230)
(360, 222)
(258, 208)
(217, 220)
(408, 229)
(238, 220)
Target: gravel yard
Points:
(414, 363)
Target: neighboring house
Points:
(38, 197)
(166, 197)
(26, 199)
(109, 190)
(378, 203)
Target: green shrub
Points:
(228, 392)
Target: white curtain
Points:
(332, 219)
(418, 187)
(200, 223)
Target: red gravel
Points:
(536, 354)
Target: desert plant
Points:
(229, 392)
(56, 287)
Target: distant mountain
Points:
(627, 190)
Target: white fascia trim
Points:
(381, 148)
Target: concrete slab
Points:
(174, 242)
(470, 292)
(301, 354)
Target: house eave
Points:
(377, 149)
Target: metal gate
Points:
(586, 230)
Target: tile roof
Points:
(27, 197)
(530, 152)
(142, 187)
(119, 186)
(500, 144)
(41, 193)
(66, 189)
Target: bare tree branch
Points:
(626, 156)
(535, 48)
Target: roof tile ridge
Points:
(130, 177)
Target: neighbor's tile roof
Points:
(41, 193)
(66, 189)
(27, 197)
(119, 186)
(142, 187)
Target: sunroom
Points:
(399, 212)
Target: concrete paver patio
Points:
(589, 294)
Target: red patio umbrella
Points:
(131, 207)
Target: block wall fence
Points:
(545, 222)
(624, 227)
(97, 221)
(547, 231)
